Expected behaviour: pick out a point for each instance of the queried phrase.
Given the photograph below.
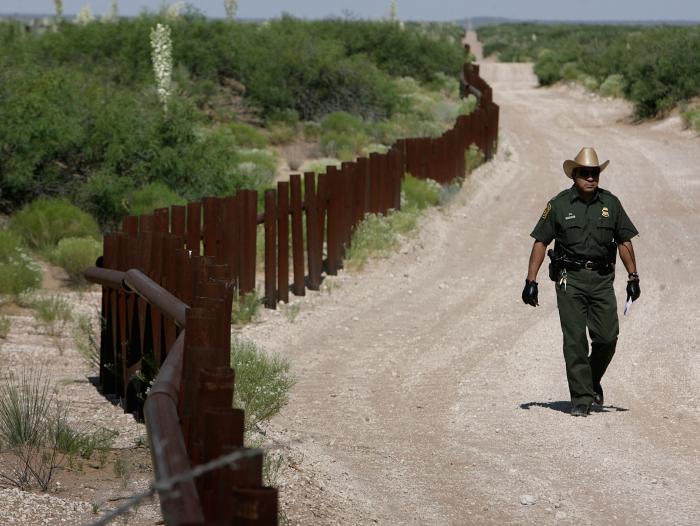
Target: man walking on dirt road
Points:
(589, 227)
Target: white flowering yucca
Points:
(393, 11)
(113, 14)
(231, 7)
(84, 16)
(172, 12)
(162, 58)
(59, 8)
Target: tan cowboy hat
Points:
(586, 158)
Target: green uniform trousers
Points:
(587, 301)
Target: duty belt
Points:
(588, 264)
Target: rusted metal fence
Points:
(169, 279)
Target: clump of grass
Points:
(613, 86)
(75, 254)
(245, 307)
(83, 443)
(29, 419)
(86, 341)
(292, 311)
(319, 166)
(5, 324)
(473, 158)
(18, 272)
(419, 193)
(53, 312)
(373, 237)
(45, 221)
(154, 195)
(262, 384)
(692, 118)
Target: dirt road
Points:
(429, 394)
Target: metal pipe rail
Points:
(168, 451)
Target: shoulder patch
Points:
(547, 210)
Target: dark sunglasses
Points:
(586, 172)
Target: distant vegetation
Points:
(80, 117)
(656, 68)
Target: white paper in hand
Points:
(628, 305)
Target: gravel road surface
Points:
(429, 393)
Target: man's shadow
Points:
(564, 406)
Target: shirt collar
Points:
(574, 194)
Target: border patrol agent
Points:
(589, 226)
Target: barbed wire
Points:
(168, 484)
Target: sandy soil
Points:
(429, 394)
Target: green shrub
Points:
(468, 105)
(83, 443)
(613, 86)
(590, 83)
(245, 307)
(5, 325)
(87, 341)
(373, 237)
(419, 193)
(53, 312)
(692, 118)
(246, 136)
(570, 71)
(18, 272)
(262, 382)
(154, 195)
(319, 166)
(473, 158)
(75, 254)
(45, 221)
(25, 407)
(343, 135)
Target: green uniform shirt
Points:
(584, 229)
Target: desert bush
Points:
(692, 118)
(154, 195)
(590, 83)
(613, 86)
(5, 325)
(246, 136)
(53, 312)
(45, 221)
(245, 307)
(87, 342)
(75, 254)
(18, 272)
(28, 421)
(473, 158)
(83, 443)
(373, 237)
(419, 193)
(319, 166)
(262, 382)
(570, 71)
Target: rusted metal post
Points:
(194, 229)
(283, 241)
(270, 249)
(334, 220)
(312, 230)
(297, 236)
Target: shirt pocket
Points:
(604, 232)
(572, 231)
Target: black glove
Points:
(633, 290)
(530, 293)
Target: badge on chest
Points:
(605, 212)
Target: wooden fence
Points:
(169, 279)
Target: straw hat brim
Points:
(570, 165)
